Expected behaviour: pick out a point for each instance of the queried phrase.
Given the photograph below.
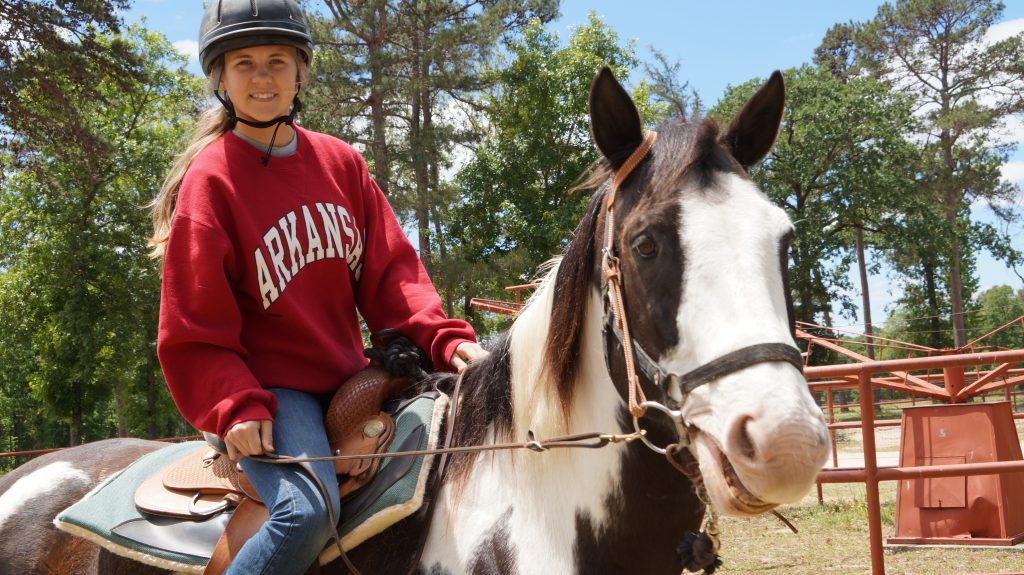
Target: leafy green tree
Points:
(914, 249)
(995, 308)
(74, 35)
(964, 88)
(397, 66)
(838, 166)
(838, 52)
(516, 189)
(78, 295)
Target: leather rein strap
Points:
(633, 352)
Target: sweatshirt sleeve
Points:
(199, 343)
(394, 289)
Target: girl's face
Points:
(261, 80)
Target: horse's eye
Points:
(644, 246)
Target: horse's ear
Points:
(614, 119)
(752, 132)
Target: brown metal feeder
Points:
(976, 510)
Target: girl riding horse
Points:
(673, 289)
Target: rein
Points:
(594, 440)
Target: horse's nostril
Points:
(742, 441)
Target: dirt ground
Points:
(833, 538)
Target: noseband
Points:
(635, 354)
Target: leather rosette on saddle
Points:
(355, 421)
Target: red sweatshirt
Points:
(265, 269)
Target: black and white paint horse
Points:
(703, 267)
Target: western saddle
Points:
(204, 484)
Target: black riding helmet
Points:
(232, 24)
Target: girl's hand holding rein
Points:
(250, 438)
(467, 353)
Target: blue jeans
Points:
(298, 527)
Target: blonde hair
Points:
(212, 123)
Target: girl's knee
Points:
(303, 515)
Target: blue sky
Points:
(717, 44)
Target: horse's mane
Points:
(486, 403)
(568, 303)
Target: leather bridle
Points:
(634, 354)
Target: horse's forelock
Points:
(689, 150)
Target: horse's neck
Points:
(538, 508)
(542, 494)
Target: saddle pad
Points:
(399, 488)
(111, 504)
(107, 515)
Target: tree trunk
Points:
(804, 298)
(19, 433)
(950, 204)
(875, 392)
(865, 295)
(956, 297)
(378, 114)
(445, 288)
(418, 135)
(75, 430)
(866, 304)
(119, 409)
(933, 303)
(151, 429)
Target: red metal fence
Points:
(829, 377)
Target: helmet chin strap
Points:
(286, 119)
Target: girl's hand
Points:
(250, 438)
(467, 353)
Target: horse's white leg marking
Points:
(58, 475)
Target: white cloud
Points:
(1004, 30)
(1010, 130)
(187, 48)
(1013, 172)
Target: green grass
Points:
(884, 412)
(833, 538)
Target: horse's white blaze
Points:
(542, 492)
(733, 297)
(43, 481)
